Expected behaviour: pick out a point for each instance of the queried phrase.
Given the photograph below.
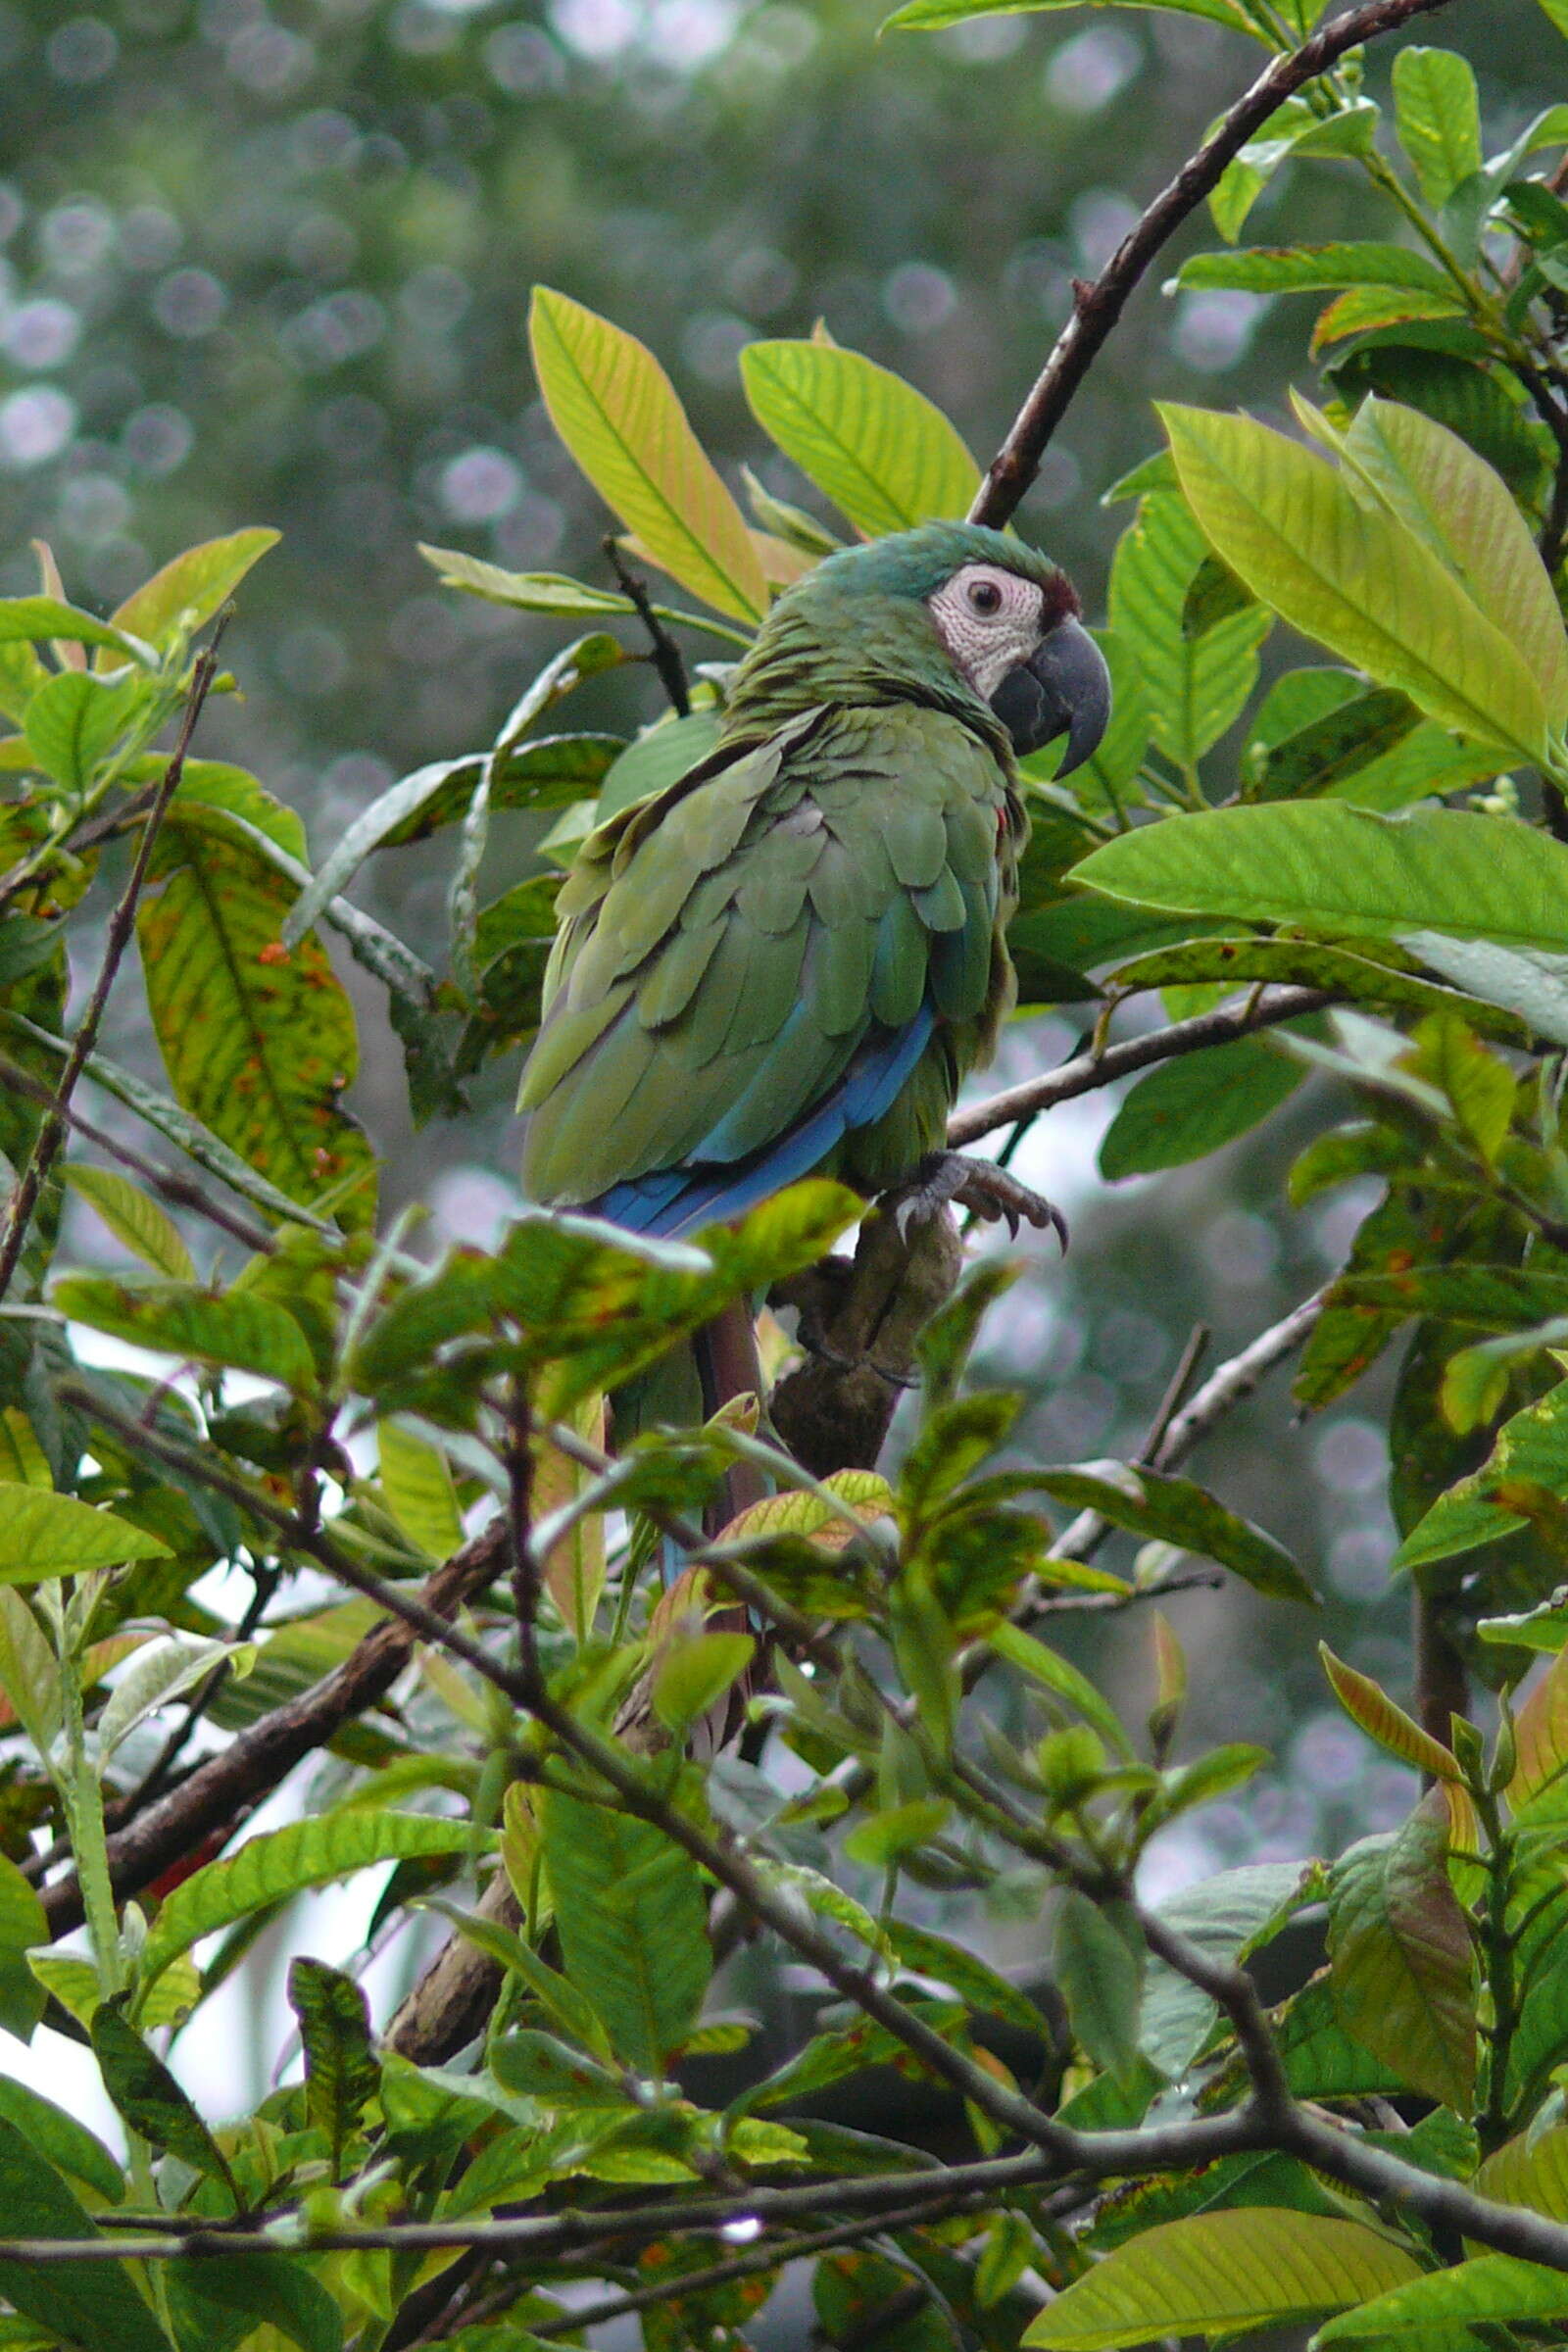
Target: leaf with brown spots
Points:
(261, 1045)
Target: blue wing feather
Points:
(668, 1202)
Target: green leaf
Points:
(1374, 1712)
(565, 2004)
(1293, 129)
(94, 2306)
(190, 589)
(133, 1218)
(553, 593)
(58, 2137)
(883, 1838)
(1356, 578)
(633, 1925)
(1492, 2287)
(22, 1924)
(1196, 686)
(151, 2101)
(1541, 1736)
(926, 16)
(1529, 1454)
(1401, 1957)
(1228, 1917)
(1301, 964)
(342, 2072)
(158, 1673)
(662, 755)
(882, 452)
(213, 1327)
(1100, 1976)
(1530, 983)
(550, 773)
(41, 620)
(259, 1040)
(1339, 869)
(270, 1868)
(25, 947)
(1060, 1678)
(1172, 1510)
(693, 1675)
(1437, 111)
(1188, 1107)
(43, 1534)
(970, 1977)
(536, 2066)
(416, 1485)
(1454, 503)
(72, 722)
(616, 410)
(1315, 270)
(1221, 2272)
(215, 2304)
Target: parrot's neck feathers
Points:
(846, 652)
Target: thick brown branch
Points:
(1098, 305)
(217, 1794)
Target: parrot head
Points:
(950, 613)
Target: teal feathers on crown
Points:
(858, 627)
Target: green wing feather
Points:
(726, 946)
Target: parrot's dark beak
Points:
(1062, 689)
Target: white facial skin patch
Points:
(989, 620)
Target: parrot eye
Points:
(984, 596)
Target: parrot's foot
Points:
(978, 1185)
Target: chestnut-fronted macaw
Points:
(786, 963)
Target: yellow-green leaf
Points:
(283, 1862)
(133, 1218)
(1370, 1705)
(1530, 2171)
(1439, 116)
(1218, 2272)
(617, 413)
(1457, 506)
(416, 1483)
(257, 1039)
(1495, 2288)
(214, 1326)
(885, 455)
(1354, 577)
(193, 585)
(1541, 1735)
(1401, 1960)
(43, 1534)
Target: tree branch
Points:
(217, 1794)
(180, 1191)
(1086, 1072)
(1098, 305)
(666, 654)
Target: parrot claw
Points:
(978, 1185)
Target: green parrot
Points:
(786, 963)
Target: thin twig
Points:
(181, 1192)
(1265, 1008)
(1177, 1391)
(666, 654)
(1099, 304)
(122, 923)
(519, 1489)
